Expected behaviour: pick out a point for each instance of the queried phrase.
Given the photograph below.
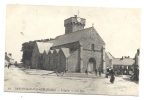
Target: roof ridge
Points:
(111, 54)
(66, 36)
(75, 31)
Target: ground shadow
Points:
(127, 79)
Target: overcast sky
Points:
(119, 28)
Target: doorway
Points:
(91, 65)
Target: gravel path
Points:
(32, 80)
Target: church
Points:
(75, 51)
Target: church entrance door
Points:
(91, 65)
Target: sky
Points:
(120, 28)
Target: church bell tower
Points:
(74, 24)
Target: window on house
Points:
(92, 47)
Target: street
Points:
(42, 81)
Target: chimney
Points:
(74, 24)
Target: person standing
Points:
(112, 79)
(86, 72)
(8, 65)
(107, 73)
(100, 72)
(96, 72)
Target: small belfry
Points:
(74, 24)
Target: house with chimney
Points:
(8, 59)
(123, 65)
(77, 50)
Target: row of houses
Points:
(124, 65)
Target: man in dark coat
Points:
(86, 72)
(99, 72)
(107, 73)
(112, 79)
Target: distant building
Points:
(123, 65)
(8, 58)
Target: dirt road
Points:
(19, 80)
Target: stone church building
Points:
(77, 50)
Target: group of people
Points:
(96, 72)
(110, 72)
(135, 75)
(8, 65)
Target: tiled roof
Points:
(71, 37)
(44, 46)
(66, 51)
(124, 61)
(109, 55)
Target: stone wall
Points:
(97, 52)
(89, 54)
(92, 37)
(72, 62)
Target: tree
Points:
(27, 49)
